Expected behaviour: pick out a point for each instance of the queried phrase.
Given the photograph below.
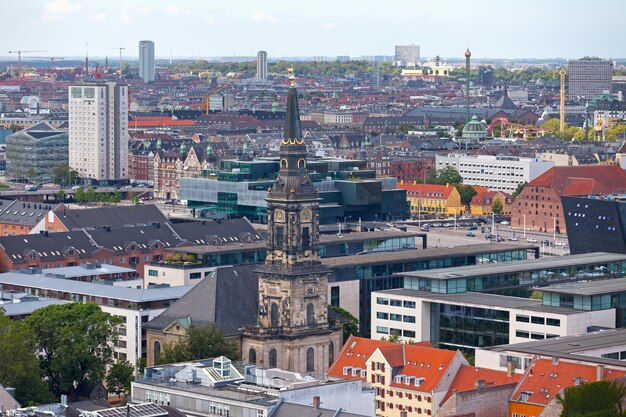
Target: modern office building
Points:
(471, 320)
(407, 55)
(34, 152)
(146, 60)
(497, 173)
(98, 133)
(589, 77)
(595, 223)
(261, 65)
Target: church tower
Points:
(293, 331)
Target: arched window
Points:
(331, 353)
(301, 163)
(310, 314)
(274, 315)
(284, 163)
(252, 356)
(157, 352)
(273, 358)
(310, 360)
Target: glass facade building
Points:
(34, 152)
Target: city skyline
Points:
(286, 29)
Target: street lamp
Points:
(524, 225)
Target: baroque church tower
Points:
(293, 331)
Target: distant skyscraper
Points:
(98, 132)
(589, 77)
(407, 54)
(261, 65)
(146, 60)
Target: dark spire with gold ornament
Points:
(293, 130)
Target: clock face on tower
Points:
(279, 215)
(305, 216)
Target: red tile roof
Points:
(605, 178)
(154, 121)
(355, 352)
(424, 362)
(428, 190)
(544, 379)
(467, 376)
(480, 199)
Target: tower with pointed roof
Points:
(293, 331)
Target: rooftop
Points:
(93, 289)
(595, 287)
(432, 253)
(484, 299)
(87, 269)
(517, 266)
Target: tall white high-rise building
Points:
(146, 60)
(261, 65)
(98, 131)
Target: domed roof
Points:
(474, 129)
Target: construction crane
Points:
(562, 112)
(19, 58)
(121, 48)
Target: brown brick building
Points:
(539, 206)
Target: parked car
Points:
(470, 234)
(512, 239)
(489, 236)
(546, 242)
(531, 240)
(504, 222)
(561, 244)
(472, 228)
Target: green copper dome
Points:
(474, 129)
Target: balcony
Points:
(258, 331)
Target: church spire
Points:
(293, 130)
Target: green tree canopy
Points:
(467, 192)
(19, 366)
(448, 175)
(202, 342)
(496, 206)
(76, 344)
(594, 399)
(350, 323)
(119, 377)
(518, 190)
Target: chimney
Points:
(316, 402)
(403, 413)
(599, 372)
(480, 384)
(510, 369)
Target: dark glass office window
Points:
(334, 296)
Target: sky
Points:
(209, 28)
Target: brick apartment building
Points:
(539, 207)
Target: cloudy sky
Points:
(191, 28)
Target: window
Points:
(553, 322)
(273, 358)
(409, 319)
(279, 236)
(382, 316)
(310, 314)
(252, 356)
(334, 296)
(409, 304)
(382, 301)
(306, 238)
(537, 336)
(331, 354)
(522, 319)
(153, 272)
(157, 351)
(274, 315)
(382, 330)
(195, 275)
(310, 360)
(408, 333)
(395, 303)
(537, 320)
(395, 317)
(522, 333)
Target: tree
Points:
(496, 206)
(467, 192)
(594, 399)
(350, 323)
(90, 195)
(553, 126)
(393, 337)
(116, 197)
(19, 366)
(79, 196)
(76, 344)
(201, 342)
(119, 378)
(518, 190)
(448, 175)
(60, 173)
(61, 195)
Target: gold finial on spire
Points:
(292, 77)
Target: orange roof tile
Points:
(424, 362)
(467, 376)
(355, 353)
(544, 379)
(428, 190)
(154, 121)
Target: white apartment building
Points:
(98, 131)
(146, 60)
(470, 320)
(497, 173)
